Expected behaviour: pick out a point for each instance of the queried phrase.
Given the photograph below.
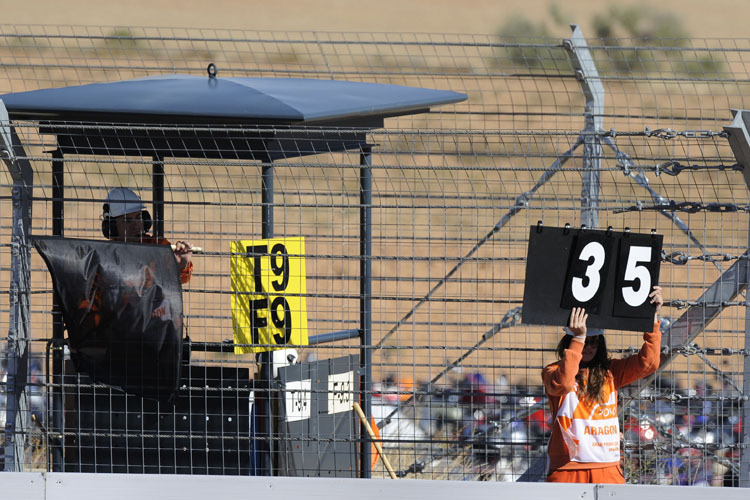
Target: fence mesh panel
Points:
(456, 390)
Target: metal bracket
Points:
(587, 74)
(739, 140)
(6, 144)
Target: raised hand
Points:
(577, 322)
(183, 252)
(657, 299)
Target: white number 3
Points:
(633, 272)
(585, 293)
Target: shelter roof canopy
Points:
(205, 100)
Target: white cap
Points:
(590, 332)
(123, 201)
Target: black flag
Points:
(122, 307)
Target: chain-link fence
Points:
(423, 326)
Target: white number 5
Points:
(585, 293)
(636, 297)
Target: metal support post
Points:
(19, 331)
(739, 141)
(158, 195)
(365, 296)
(744, 478)
(264, 399)
(267, 202)
(58, 328)
(587, 74)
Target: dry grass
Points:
(722, 18)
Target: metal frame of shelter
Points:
(344, 131)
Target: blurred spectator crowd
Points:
(671, 434)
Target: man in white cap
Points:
(582, 391)
(126, 219)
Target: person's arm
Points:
(647, 360)
(184, 254)
(559, 378)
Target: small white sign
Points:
(340, 392)
(298, 395)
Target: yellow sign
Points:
(268, 294)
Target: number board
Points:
(609, 273)
(268, 294)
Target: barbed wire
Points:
(693, 348)
(664, 133)
(676, 397)
(674, 168)
(668, 133)
(682, 258)
(690, 207)
(684, 304)
(692, 445)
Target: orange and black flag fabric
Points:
(122, 308)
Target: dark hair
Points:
(109, 227)
(590, 389)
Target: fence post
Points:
(739, 140)
(157, 183)
(365, 295)
(19, 329)
(264, 400)
(587, 74)
(57, 423)
(744, 477)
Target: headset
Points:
(109, 226)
